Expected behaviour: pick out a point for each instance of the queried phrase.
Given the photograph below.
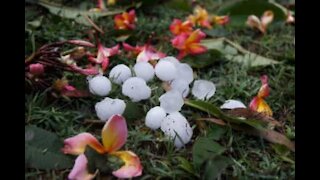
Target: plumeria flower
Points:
(114, 135)
(290, 19)
(261, 24)
(177, 27)
(125, 21)
(103, 55)
(221, 20)
(200, 17)
(258, 104)
(144, 53)
(189, 44)
(65, 89)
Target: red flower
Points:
(177, 27)
(125, 21)
(189, 44)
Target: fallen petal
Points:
(132, 166)
(79, 170)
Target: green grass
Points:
(253, 157)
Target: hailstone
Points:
(99, 85)
(165, 70)
(171, 101)
(108, 107)
(120, 73)
(176, 127)
(136, 88)
(184, 71)
(172, 59)
(154, 117)
(144, 70)
(203, 89)
(180, 85)
(232, 104)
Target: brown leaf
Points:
(250, 114)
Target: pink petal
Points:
(69, 88)
(132, 166)
(81, 43)
(114, 133)
(179, 41)
(36, 69)
(88, 71)
(76, 145)
(79, 170)
(105, 64)
(128, 47)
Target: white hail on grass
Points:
(185, 72)
(171, 59)
(154, 117)
(176, 127)
(232, 104)
(203, 89)
(120, 73)
(181, 85)
(99, 85)
(108, 107)
(165, 70)
(136, 88)
(171, 101)
(144, 70)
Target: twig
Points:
(93, 24)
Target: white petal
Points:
(165, 70)
(154, 117)
(99, 85)
(120, 73)
(180, 85)
(108, 107)
(144, 70)
(232, 104)
(176, 127)
(203, 89)
(136, 88)
(171, 101)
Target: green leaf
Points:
(216, 132)
(186, 165)
(239, 10)
(234, 52)
(183, 5)
(43, 150)
(215, 111)
(203, 149)
(105, 163)
(203, 60)
(133, 111)
(76, 14)
(215, 166)
(216, 32)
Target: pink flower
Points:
(189, 44)
(144, 53)
(258, 103)
(126, 20)
(103, 55)
(178, 27)
(114, 135)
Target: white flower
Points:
(120, 73)
(99, 85)
(165, 70)
(171, 101)
(232, 104)
(203, 89)
(108, 107)
(154, 117)
(176, 127)
(144, 70)
(136, 88)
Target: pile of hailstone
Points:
(167, 115)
